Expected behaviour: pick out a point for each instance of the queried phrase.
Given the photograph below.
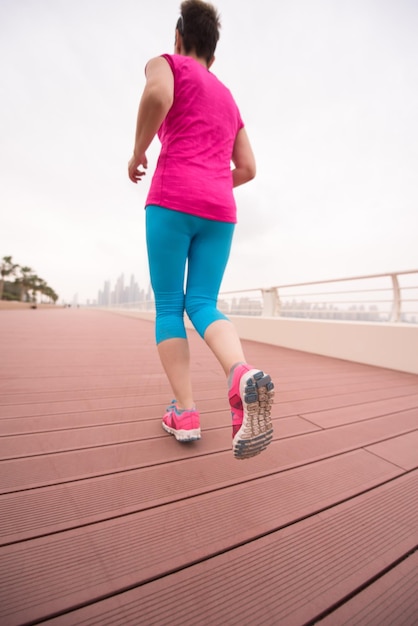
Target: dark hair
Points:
(199, 25)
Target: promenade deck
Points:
(106, 519)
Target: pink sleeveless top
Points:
(193, 173)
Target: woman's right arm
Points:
(243, 160)
(156, 101)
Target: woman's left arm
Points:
(156, 101)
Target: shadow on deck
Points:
(106, 519)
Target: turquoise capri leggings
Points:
(176, 240)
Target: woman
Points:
(190, 219)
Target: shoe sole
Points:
(183, 435)
(256, 432)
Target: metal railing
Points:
(391, 297)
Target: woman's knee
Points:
(169, 327)
(170, 315)
(202, 312)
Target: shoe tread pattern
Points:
(256, 431)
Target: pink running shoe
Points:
(250, 397)
(184, 425)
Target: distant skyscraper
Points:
(123, 294)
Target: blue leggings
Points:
(175, 239)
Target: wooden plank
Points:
(141, 402)
(288, 577)
(340, 388)
(73, 438)
(118, 389)
(330, 377)
(397, 384)
(392, 600)
(362, 411)
(21, 382)
(41, 511)
(148, 404)
(37, 471)
(402, 451)
(82, 419)
(338, 409)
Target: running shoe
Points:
(184, 425)
(251, 394)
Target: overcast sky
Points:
(328, 90)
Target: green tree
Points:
(25, 281)
(35, 284)
(41, 286)
(7, 268)
(50, 293)
(26, 285)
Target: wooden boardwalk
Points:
(106, 519)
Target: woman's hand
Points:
(134, 173)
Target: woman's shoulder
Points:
(175, 61)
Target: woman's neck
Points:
(200, 60)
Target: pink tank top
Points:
(193, 173)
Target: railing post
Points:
(271, 302)
(396, 302)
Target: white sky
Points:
(329, 93)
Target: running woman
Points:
(190, 220)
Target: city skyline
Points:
(121, 293)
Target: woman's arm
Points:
(156, 101)
(243, 159)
